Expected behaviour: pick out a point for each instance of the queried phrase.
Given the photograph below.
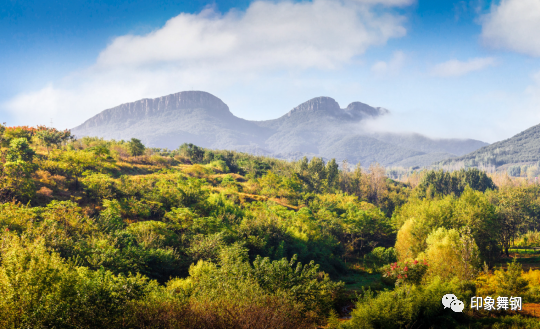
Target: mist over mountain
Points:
(318, 127)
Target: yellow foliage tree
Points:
(451, 253)
(405, 240)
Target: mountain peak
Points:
(317, 104)
(328, 106)
(360, 110)
(193, 99)
(153, 107)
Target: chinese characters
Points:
(501, 303)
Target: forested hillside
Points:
(521, 149)
(111, 234)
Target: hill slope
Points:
(318, 127)
(519, 149)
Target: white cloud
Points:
(213, 51)
(391, 67)
(320, 34)
(513, 25)
(455, 68)
(387, 2)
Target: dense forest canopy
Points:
(102, 233)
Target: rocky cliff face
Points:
(318, 127)
(324, 105)
(327, 106)
(146, 108)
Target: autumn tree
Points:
(51, 136)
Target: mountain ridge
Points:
(522, 148)
(317, 127)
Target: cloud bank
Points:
(213, 51)
(513, 25)
(456, 68)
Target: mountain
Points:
(318, 127)
(523, 148)
(191, 116)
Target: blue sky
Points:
(445, 68)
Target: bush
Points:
(233, 276)
(239, 310)
(303, 283)
(405, 272)
(99, 186)
(36, 286)
(381, 256)
(103, 298)
(411, 306)
(41, 290)
(511, 282)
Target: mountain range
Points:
(318, 127)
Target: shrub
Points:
(219, 165)
(36, 286)
(405, 272)
(153, 234)
(228, 180)
(411, 306)
(239, 310)
(103, 298)
(235, 278)
(381, 256)
(99, 186)
(511, 282)
(303, 283)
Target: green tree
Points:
(193, 152)
(445, 183)
(19, 150)
(512, 204)
(15, 174)
(332, 178)
(135, 147)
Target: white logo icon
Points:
(457, 306)
(451, 301)
(447, 299)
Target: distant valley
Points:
(318, 127)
